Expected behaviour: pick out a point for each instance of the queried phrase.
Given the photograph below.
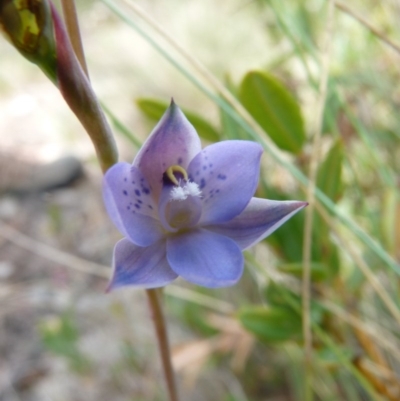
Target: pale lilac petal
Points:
(144, 267)
(260, 218)
(227, 174)
(205, 258)
(173, 141)
(176, 214)
(127, 197)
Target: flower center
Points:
(183, 188)
(180, 203)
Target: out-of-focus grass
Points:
(360, 114)
(356, 234)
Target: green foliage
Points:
(275, 109)
(60, 335)
(281, 320)
(329, 178)
(272, 325)
(319, 271)
(154, 109)
(193, 315)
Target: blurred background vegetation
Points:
(249, 70)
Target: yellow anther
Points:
(176, 169)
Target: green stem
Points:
(162, 337)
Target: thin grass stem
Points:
(308, 226)
(378, 33)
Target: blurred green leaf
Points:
(281, 321)
(390, 218)
(281, 296)
(60, 336)
(272, 325)
(330, 172)
(288, 239)
(275, 109)
(329, 181)
(328, 357)
(319, 271)
(154, 109)
(332, 108)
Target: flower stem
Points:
(72, 24)
(75, 87)
(106, 161)
(154, 296)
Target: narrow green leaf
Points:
(272, 325)
(330, 172)
(278, 295)
(275, 109)
(390, 219)
(154, 109)
(319, 271)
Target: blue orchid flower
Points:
(188, 212)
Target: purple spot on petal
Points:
(133, 182)
(139, 201)
(202, 183)
(125, 179)
(137, 192)
(150, 207)
(197, 172)
(146, 190)
(204, 167)
(221, 177)
(180, 160)
(137, 206)
(217, 191)
(125, 192)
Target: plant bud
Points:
(28, 25)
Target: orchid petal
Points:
(173, 141)
(227, 174)
(205, 258)
(127, 197)
(260, 218)
(144, 267)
